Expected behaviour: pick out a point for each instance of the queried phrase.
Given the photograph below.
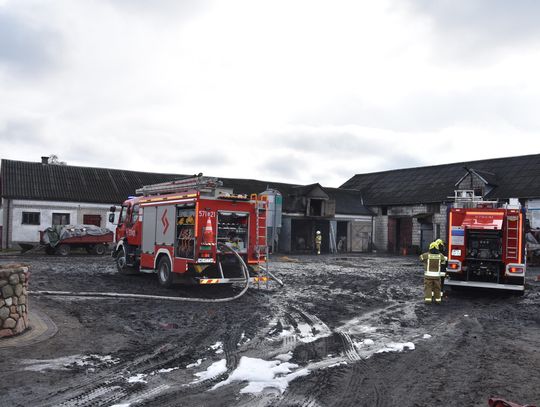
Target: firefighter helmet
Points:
(318, 232)
(439, 242)
(433, 245)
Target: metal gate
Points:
(360, 236)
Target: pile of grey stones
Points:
(13, 299)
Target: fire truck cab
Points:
(486, 243)
(190, 231)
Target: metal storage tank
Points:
(273, 217)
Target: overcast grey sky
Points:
(290, 91)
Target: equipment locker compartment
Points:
(185, 233)
(233, 230)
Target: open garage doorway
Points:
(303, 235)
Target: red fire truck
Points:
(191, 231)
(486, 244)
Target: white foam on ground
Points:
(214, 370)
(197, 363)
(355, 327)
(66, 362)
(426, 336)
(217, 347)
(138, 378)
(396, 347)
(338, 364)
(284, 357)
(160, 371)
(263, 374)
(364, 343)
(243, 339)
(287, 332)
(121, 405)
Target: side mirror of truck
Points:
(111, 217)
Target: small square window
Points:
(60, 218)
(30, 218)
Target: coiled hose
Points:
(159, 297)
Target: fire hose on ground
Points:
(160, 297)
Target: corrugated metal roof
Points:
(30, 180)
(37, 181)
(517, 177)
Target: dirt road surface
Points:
(344, 331)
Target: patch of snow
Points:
(284, 357)
(263, 374)
(426, 336)
(466, 315)
(138, 378)
(121, 405)
(214, 370)
(396, 347)
(197, 363)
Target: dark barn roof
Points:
(67, 183)
(511, 177)
(49, 182)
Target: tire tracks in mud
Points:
(354, 386)
(111, 385)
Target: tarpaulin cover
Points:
(55, 234)
(483, 220)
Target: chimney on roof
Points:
(44, 160)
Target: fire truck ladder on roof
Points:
(198, 183)
(512, 236)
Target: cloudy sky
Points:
(291, 91)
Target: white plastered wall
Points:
(30, 233)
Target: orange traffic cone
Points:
(208, 232)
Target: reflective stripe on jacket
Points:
(433, 264)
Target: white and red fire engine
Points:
(186, 230)
(486, 246)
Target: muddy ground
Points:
(345, 331)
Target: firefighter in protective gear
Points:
(318, 242)
(441, 247)
(432, 274)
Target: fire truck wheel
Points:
(121, 263)
(165, 275)
(63, 250)
(99, 249)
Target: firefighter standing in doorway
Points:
(432, 273)
(318, 242)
